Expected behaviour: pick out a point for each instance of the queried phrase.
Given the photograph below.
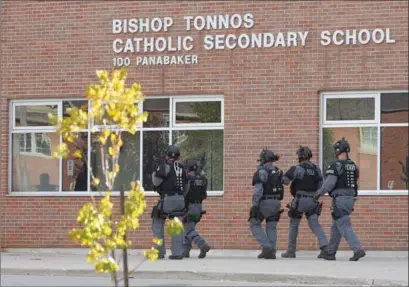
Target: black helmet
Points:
(267, 155)
(191, 165)
(341, 146)
(173, 152)
(304, 153)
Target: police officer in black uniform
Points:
(196, 193)
(305, 180)
(341, 183)
(170, 182)
(266, 203)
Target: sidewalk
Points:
(377, 268)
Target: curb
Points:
(214, 276)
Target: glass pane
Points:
(34, 116)
(365, 156)
(158, 110)
(74, 170)
(33, 167)
(394, 108)
(198, 112)
(394, 158)
(193, 143)
(128, 161)
(155, 144)
(347, 109)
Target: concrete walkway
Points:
(377, 268)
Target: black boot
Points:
(176, 257)
(161, 257)
(186, 253)
(268, 253)
(359, 254)
(203, 251)
(261, 255)
(288, 254)
(323, 250)
(328, 256)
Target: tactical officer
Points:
(196, 193)
(170, 182)
(305, 180)
(266, 203)
(341, 183)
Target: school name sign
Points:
(130, 43)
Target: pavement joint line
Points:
(212, 276)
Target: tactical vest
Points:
(175, 180)
(310, 180)
(348, 177)
(274, 184)
(198, 188)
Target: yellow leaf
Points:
(102, 140)
(116, 168)
(95, 181)
(77, 154)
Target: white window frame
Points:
(95, 128)
(350, 96)
(28, 103)
(193, 99)
(359, 124)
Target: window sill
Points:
(88, 194)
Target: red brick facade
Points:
(51, 49)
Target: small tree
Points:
(115, 109)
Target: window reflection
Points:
(33, 168)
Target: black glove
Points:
(253, 212)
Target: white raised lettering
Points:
(188, 19)
(325, 38)
(115, 46)
(367, 37)
(303, 37)
(248, 20)
(116, 26)
(335, 39)
(208, 42)
(378, 39)
(388, 37)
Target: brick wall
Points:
(52, 49)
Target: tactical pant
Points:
(307, 205)
(168, 206)
(194, 214)
(269, 210)
(341, 224)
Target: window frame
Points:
(360, 124)
(95, 128)
(195, 99)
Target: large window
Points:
(376, 127)
(195, 124)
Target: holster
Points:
(254, 213)
(293, 213)
(193, 217)
(319, 208)
(336, 213)
(157, 213)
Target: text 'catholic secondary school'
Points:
(228, 78)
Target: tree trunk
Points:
(124, 250)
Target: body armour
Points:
(197, 188)
(310, 180)
(348, 175)
(175, 179)
(273, 185)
